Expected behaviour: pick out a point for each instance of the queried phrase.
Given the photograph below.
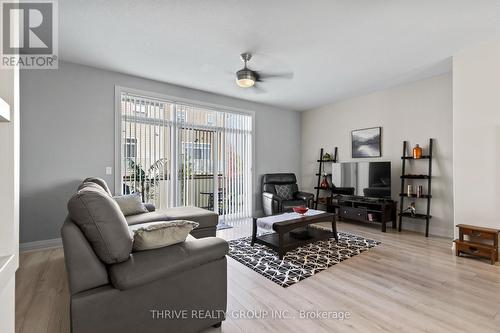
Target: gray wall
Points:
(67, 128)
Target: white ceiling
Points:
(335, 48)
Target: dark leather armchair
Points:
(273, 202)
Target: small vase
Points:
(419, 191)
(417, 152)
(324, 184)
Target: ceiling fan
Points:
(247, 78)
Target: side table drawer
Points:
(475, 249)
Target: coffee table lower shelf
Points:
(290, 242)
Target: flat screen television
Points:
(366, 179)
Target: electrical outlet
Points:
(109, 170)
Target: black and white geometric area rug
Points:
(301, 263)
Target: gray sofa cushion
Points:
(149, 206)
(131, 204)
(103, 224)
(204, 232)
(99, 181)
(155, 216)
(205, 218)
(143, 267)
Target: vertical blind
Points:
(175, 154)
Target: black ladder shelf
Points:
(408, 177)
(321, 161)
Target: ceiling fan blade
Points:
(265, 76)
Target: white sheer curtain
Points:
(176, 154)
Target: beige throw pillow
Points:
(154, 235)
(131, 204)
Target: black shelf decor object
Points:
(321, 169)
(423, 157)
(423, 196)
(408, 177)
(415, 176)
(415, 216)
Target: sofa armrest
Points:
(271, 203)
(272, 196)
(304, 196)
(85, 270)
(147, 266)
(150, 207)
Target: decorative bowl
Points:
(300, 210)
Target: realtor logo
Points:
(29, 34)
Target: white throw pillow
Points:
(154, 235)
(131, 204)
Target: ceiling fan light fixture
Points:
(245, 78)
(245, 83)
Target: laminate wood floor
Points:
(409, 283)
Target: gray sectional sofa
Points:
(113, 289)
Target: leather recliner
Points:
(273, 203)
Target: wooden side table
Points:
(480, 242)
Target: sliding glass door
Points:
(175, 154)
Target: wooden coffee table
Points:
(282, 241)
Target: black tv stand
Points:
(369, 210)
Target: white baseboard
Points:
(40, 245)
